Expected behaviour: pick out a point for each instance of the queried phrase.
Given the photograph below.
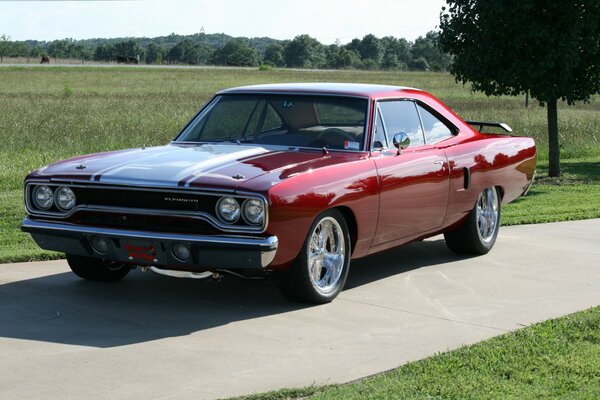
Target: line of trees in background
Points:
(303, 51)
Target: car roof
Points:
(347, 89)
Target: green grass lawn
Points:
(53, 113)
(48, 114)
(556, 359)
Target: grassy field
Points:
(556, 359)
(52, 113)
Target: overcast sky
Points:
(327, 20)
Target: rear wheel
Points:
(95, 269)
(319, 273)
(479, 231)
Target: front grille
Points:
(124, 198)
(143, 222)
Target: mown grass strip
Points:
(556, 359)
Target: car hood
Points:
(223, 166)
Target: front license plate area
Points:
(142, 252)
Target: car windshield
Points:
(286, 120)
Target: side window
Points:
(435, 130)
(401, 116)
(379, 140)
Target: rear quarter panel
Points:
(493, 160)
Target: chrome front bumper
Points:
(207, 252)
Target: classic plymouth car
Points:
(287, 180)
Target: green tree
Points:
(420, 64)
(275, 55)
(237, 52)
(18, 49)
(58, 48)
(154, 53)
(5, 45)
(35, 52)
(188, 52)
(370, 48)
(551, 49)
(304, 52)
(428, 48)
(104, 52)
(340, 57)
(75, 50)
(396, 53)
(128, 48)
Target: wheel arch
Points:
(500, 190)
(350, 219)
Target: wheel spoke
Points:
(487, 213)
(315, 268)
(326, 254)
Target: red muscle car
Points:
(288, 180)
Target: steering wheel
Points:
(335, 137)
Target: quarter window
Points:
(435, 130)
(402, 117)
(379, 140)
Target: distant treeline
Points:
(303, 51)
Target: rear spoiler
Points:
(501, 125)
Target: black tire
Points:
(468, 237)
(96, 269)
(298, 284)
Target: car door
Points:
(413, 183)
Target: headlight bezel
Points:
(34, 199)
(57, 199)
(247, 204)
(221, 215)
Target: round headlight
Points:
(43, 197)
(228, 209)
(254, 211)
(65, 198)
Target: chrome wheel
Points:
(326, 255)
(487, 210)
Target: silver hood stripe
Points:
(167, 168)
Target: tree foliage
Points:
(304, 52)
(236, 52)
(551, 49)
(189, 52)
(275, 55)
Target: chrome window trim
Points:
(195, 215)
(451, 127)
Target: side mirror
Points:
(401, 141)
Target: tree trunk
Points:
(554, 148)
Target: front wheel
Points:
(319, 273)
(95, 269)
(479, 231)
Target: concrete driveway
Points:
(160, 338)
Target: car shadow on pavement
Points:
(62, 308)
(65, 309)
(398, 260)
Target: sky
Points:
(326, 20)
